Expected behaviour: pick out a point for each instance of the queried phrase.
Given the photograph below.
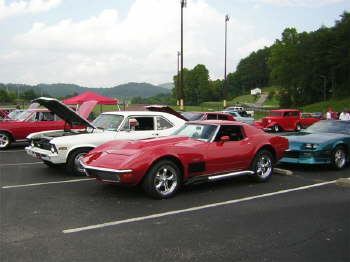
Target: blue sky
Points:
(103, 43)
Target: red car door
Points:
(235, 154)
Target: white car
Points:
(241, 116)
(68, 146)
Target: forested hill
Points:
(62, 90)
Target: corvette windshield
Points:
(197, 131)
(329, 126)
(108, 122)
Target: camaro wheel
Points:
(73, 162)
(5, 140)
(276, 128)
(339, 157)
(162, 180)
(262, 166)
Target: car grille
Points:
(291, 154)
(42, 143)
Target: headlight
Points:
(269, 121)
(32, 143)
(53, 148)
(311, 146)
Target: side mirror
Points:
(224, 139)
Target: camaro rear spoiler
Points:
(165, 109)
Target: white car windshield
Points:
(108, 122)
(201, 132)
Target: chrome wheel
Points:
(162, 180)
(73, 161)
(262, 165)
(298, 127)
(165, 180)
(4, 140)
(276, 128)
(339, 157)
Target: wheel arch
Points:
(270, 149)
(342, 144)
(71, 150)
(9, 133)
(166, 157)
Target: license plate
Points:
(37, 155)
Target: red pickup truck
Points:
(281, 120)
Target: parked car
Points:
(241, 116)
(307, 119)
(281, 120)
(325, 142)
(193, 116)
(199, 151)
(35, 120)
(234, 108)
(68, 146)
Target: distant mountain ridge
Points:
(128, 90)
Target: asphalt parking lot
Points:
(49, 215)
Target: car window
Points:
(233, 132)
(222, 117)
(108, 122)
(212, 117)
(192, 116)
(163, 123)
(47, 116)
(144, 123)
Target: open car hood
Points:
(165, 109)
(67, 114)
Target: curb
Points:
(343, 182)
(281, 171)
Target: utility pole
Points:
(178, 80)
(183, 4)
(227, 18)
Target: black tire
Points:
(50, 164)
(166, 175)
(262, 166)
(339, 157)
(5, 140)
(275, 128)
(298, 127)
(73, 166)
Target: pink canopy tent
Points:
(87, 96)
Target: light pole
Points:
(178, 80)
(183, 4)
(324, 86)
(227, 18)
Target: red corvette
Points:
(198, 151)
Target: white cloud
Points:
(302, 3)
(26, 7)
(105, 50)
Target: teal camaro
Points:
(325, 142)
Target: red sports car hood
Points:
(130, 147)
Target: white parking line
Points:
(20, 164)
(10, 151)
(49, 183)
(187, 210)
